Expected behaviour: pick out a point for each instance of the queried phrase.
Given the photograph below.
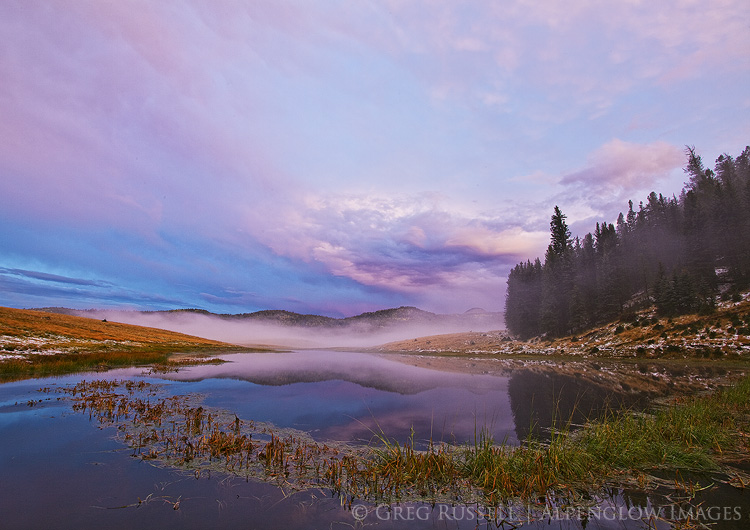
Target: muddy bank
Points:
(650, 377)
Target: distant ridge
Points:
(369, 321)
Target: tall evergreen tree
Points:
(560, 243)
(670, 249)
(558, 278)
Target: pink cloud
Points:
(486, 241)
(581, 55)
(112, 116)
(402, 244)
(623, 167)
(616, 172)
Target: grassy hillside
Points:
(40, 343)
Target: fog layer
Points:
(249, 332)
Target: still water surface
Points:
(60, 470)
(353, 396)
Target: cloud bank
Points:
(339, 158)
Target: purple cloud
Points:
(619, 168)
(340, 157)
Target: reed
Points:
(696, 433)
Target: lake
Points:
(61, 469)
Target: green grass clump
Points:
(690, 434)
(64, 363)
(394, 470)
(533, 469)
(695, 434)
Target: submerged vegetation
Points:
(699, 433)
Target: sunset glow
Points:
(339, 157)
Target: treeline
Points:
(673, 252)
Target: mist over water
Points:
(247, 332)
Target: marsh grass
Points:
(65, 363)
(45, 365)
(693, 434)
(696, 433)
(401, 470)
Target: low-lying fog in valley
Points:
(247, 332)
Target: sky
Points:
(335, 157)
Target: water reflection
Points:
(539, 399)
(58, 470)
(353, 396)
(350, 396)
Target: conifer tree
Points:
(667, 251)
(557, 286)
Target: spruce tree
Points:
(670, 249)
(557, 286)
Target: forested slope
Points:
(679, 253)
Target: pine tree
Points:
(557, 283)
(662, 294)
(669, 248)
(560, 235)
